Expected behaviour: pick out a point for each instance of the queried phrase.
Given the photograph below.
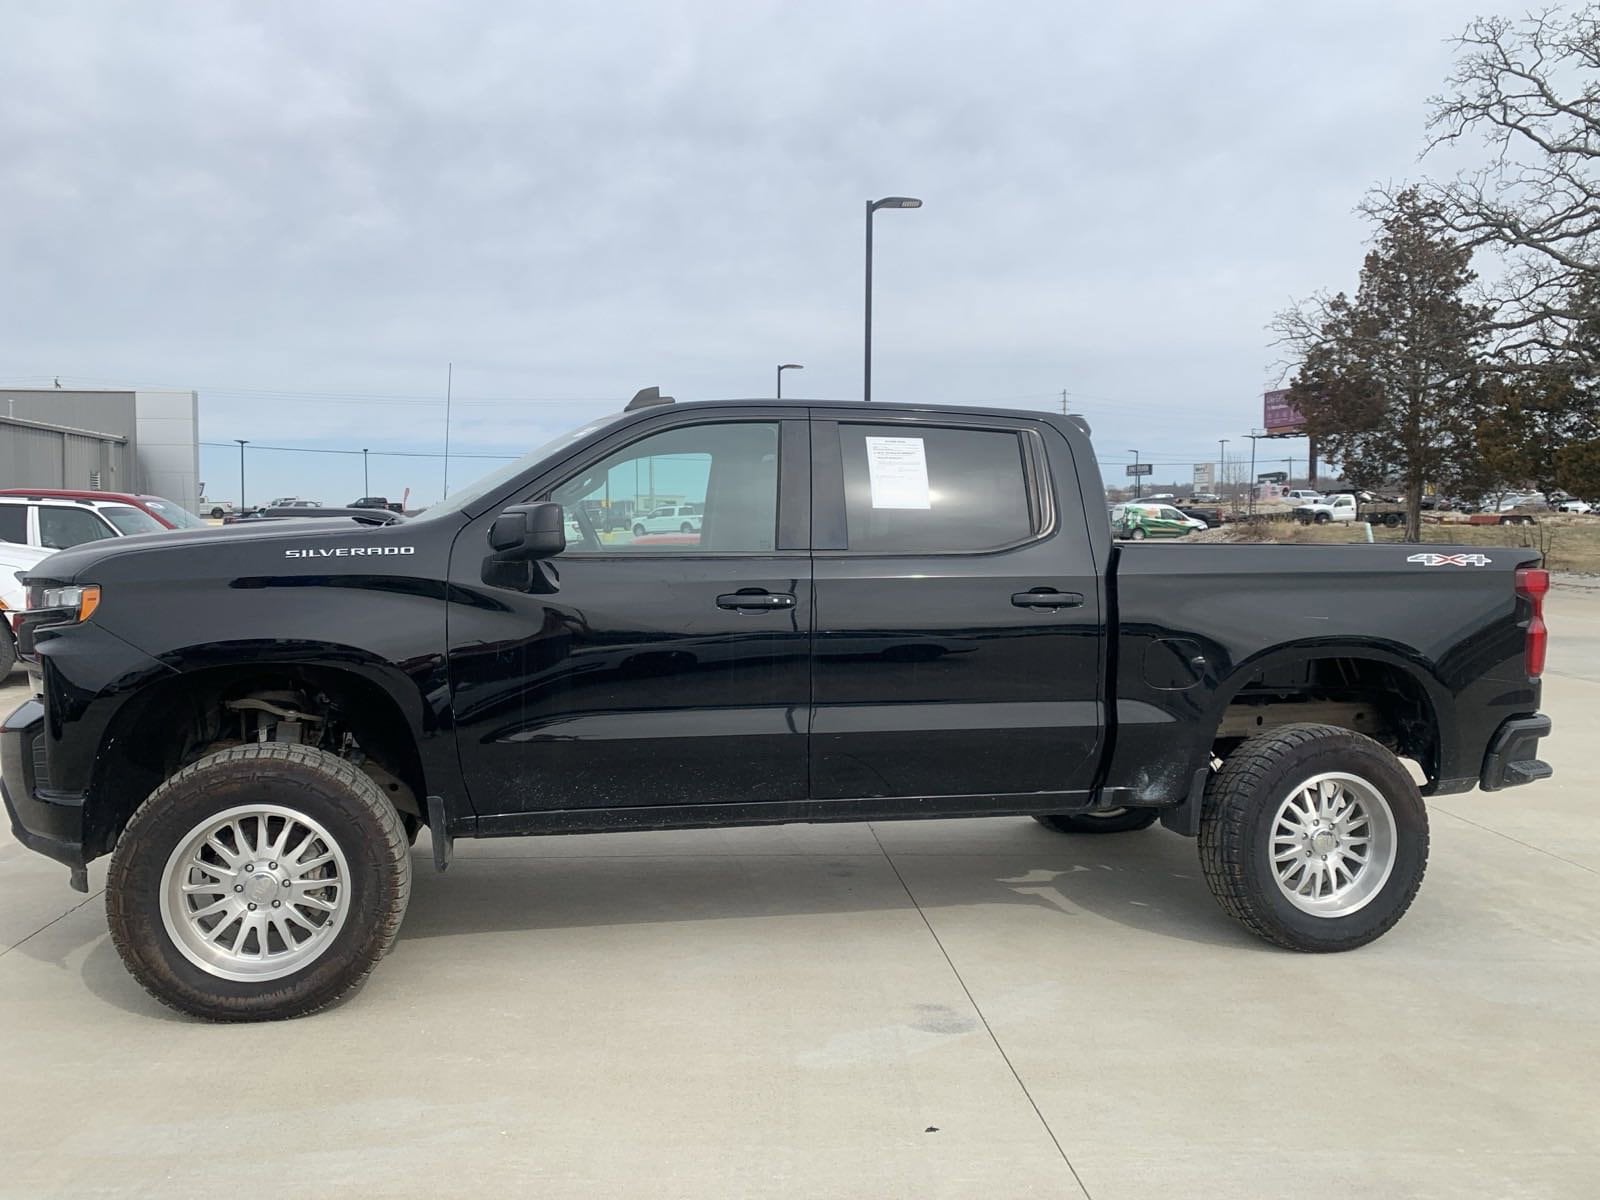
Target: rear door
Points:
(959, 625)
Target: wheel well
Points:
(1379, 699)
(180, 719)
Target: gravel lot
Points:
(978, 1008)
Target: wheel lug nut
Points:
(252, 908)
(285, 883)
(249, 866)
(277, 904)
(272, 866)
(238, 887)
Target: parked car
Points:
(1302, 495)
(1574, 506)
(1329, 508)
(669, 518)
(1205, 498)
(253, 721)
(375, 502)
(1140, 521)
(14, 559)
(59, 520)
(215, 509)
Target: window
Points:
(682, 491)
(61, 527)
(180, 517)
(131, 520)
(14, 523)
(915, 489)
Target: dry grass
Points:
(1569, 543)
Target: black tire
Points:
(217, 513)
(638, 531)
(8, 651)
(1138, 533)
(686, 528)
(1237, 832)
(1394, 520)
(329, 790)
(1111, 820)
(1323, 518)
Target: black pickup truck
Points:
(886, 611)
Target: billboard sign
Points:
(1140, 468)
(1279, 415)
(1204, 475)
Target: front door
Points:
(646, 669)
(959, 622)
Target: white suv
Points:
(670, 518)
(57, 524)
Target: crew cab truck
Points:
(888, 611)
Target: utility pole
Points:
(366, 481)
(243, 442)
(449, 379)
(1222, 461)
(1063, 402)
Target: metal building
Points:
(115, 440)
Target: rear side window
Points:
(62, 528)
(916, 489)
(14, 523)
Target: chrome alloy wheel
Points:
(255, 893)
(1333, 844)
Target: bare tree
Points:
(1530, 88)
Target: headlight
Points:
(83, 599)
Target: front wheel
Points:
(1314, 838)
(1109, 820)
(638, 531)
(216, 514)
(260, 882)
(686, 528)
(1138, 534)
(1323, 518)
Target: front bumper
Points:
(48, 822)
(1512, 757)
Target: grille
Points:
(41, 767)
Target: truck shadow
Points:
(1149, 882)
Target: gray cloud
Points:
(577, 200)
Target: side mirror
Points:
(528, 531)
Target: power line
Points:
(385, 453)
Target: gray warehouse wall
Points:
(159, 450)
(168, 449)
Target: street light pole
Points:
(787, 367)
(243, 442)
(1138, 479)
(1222, 464)
(872, 207)
(366, 481)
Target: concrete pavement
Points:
(954, 1008)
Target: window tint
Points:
(682, 491)
(61, 527)
(916, 489)
(131, 520)
(14, 523)
(180, 517)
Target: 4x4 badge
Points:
(1451, 560)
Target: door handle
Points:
(756, 600)
(1047, 598)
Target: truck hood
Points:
(68, 566)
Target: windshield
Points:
(130, 520)
(478, 489)
(174, 514)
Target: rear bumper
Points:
(45, 821)
(1512, 758)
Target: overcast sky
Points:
(305, 210)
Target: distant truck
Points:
(376, 502)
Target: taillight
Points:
(1532, 584)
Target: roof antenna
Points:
(647, 398)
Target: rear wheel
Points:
(1323, 518)
(1315, 838)
(1138, 534)
(686, 528)
(1109, 820)
(260, 882)
(216, 513)
(638, 531)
